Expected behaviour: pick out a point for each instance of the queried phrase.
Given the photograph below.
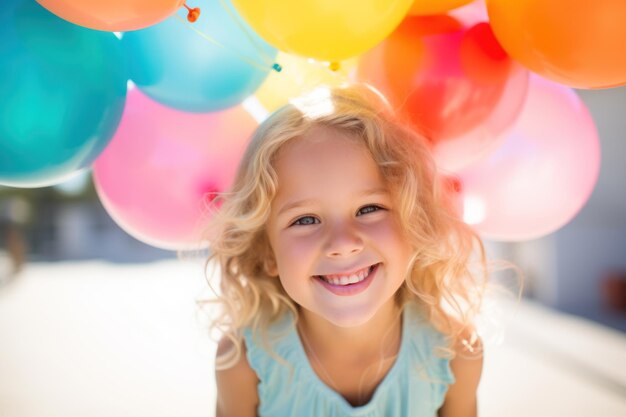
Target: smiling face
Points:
(333, 215)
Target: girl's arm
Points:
(460, 399)
(236, 387)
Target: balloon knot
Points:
(334, 66)
(192, 14)
(277, 67)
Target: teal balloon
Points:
(62, 94)
(180, 68)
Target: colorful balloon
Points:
(428, 7)
(543, 173)
(113, 15)
(581, 45)
(475, 144)
(164, 165)
(450, 78)
(175, 64)
(298, 76)
(63, 92)
(327, 30)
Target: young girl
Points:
(348, 281)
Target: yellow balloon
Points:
(327, 30)
(298, 76)
(429, 7)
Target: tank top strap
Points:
(275, 359)
(428, 353)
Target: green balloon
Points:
(62, 94)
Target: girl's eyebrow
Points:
(295, 204)
(299, 203)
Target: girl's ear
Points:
(269, 264)
(266, 254)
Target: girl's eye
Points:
(311, 220)
(370, 209)
(305, 221)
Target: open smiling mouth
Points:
(352, 285)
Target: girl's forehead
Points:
(313, 158)
(324, 165)
(319, 139)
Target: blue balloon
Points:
(177, 66)
(63, 89)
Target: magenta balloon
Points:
(543, 173)
(158, 172)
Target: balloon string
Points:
(334, 66)
(243, 28)
(245, 59)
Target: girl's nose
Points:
(343, 240)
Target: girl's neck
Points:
(380, 335)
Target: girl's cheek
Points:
(387, 229)
(299, 245)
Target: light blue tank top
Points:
(415, 385)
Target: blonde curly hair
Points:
(448, 271)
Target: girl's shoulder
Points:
(241, 367)
(466, 366)
(236, 384)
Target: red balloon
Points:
(448, 75)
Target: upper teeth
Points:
(347, 279)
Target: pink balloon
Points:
(162, 166)
(543, 173)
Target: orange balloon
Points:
(113, 15)
(579, 44)
(426, 7)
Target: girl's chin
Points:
(349, 317)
